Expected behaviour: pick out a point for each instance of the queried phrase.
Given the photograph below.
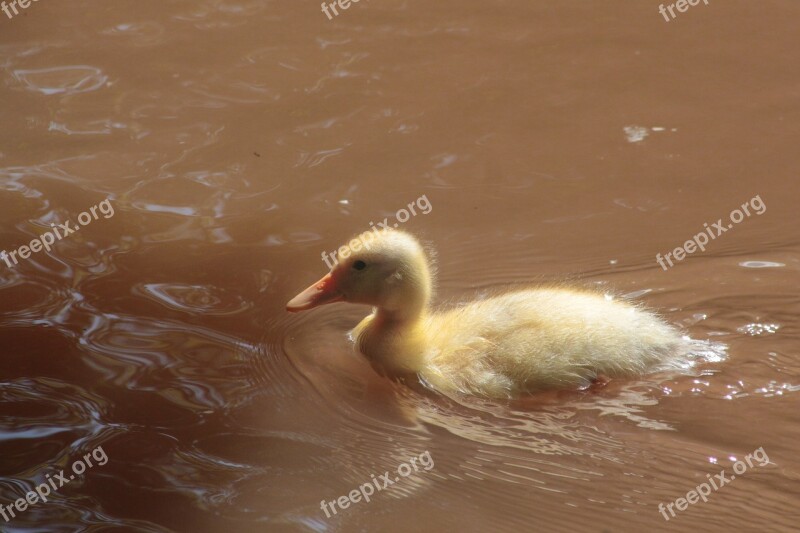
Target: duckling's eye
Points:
(359, 265)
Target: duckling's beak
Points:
(322, 292)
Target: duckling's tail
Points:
(693, 353)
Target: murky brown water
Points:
(237, 141)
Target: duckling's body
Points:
(521, 342)
(501, 346)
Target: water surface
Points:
(238, 140)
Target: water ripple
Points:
(62, 80)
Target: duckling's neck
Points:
(394, 336)
(394, 343)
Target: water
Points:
(237, 141)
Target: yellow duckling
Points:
(502, 346)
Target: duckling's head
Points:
(388, 270)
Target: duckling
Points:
(502, 346)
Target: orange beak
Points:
(322, 292)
